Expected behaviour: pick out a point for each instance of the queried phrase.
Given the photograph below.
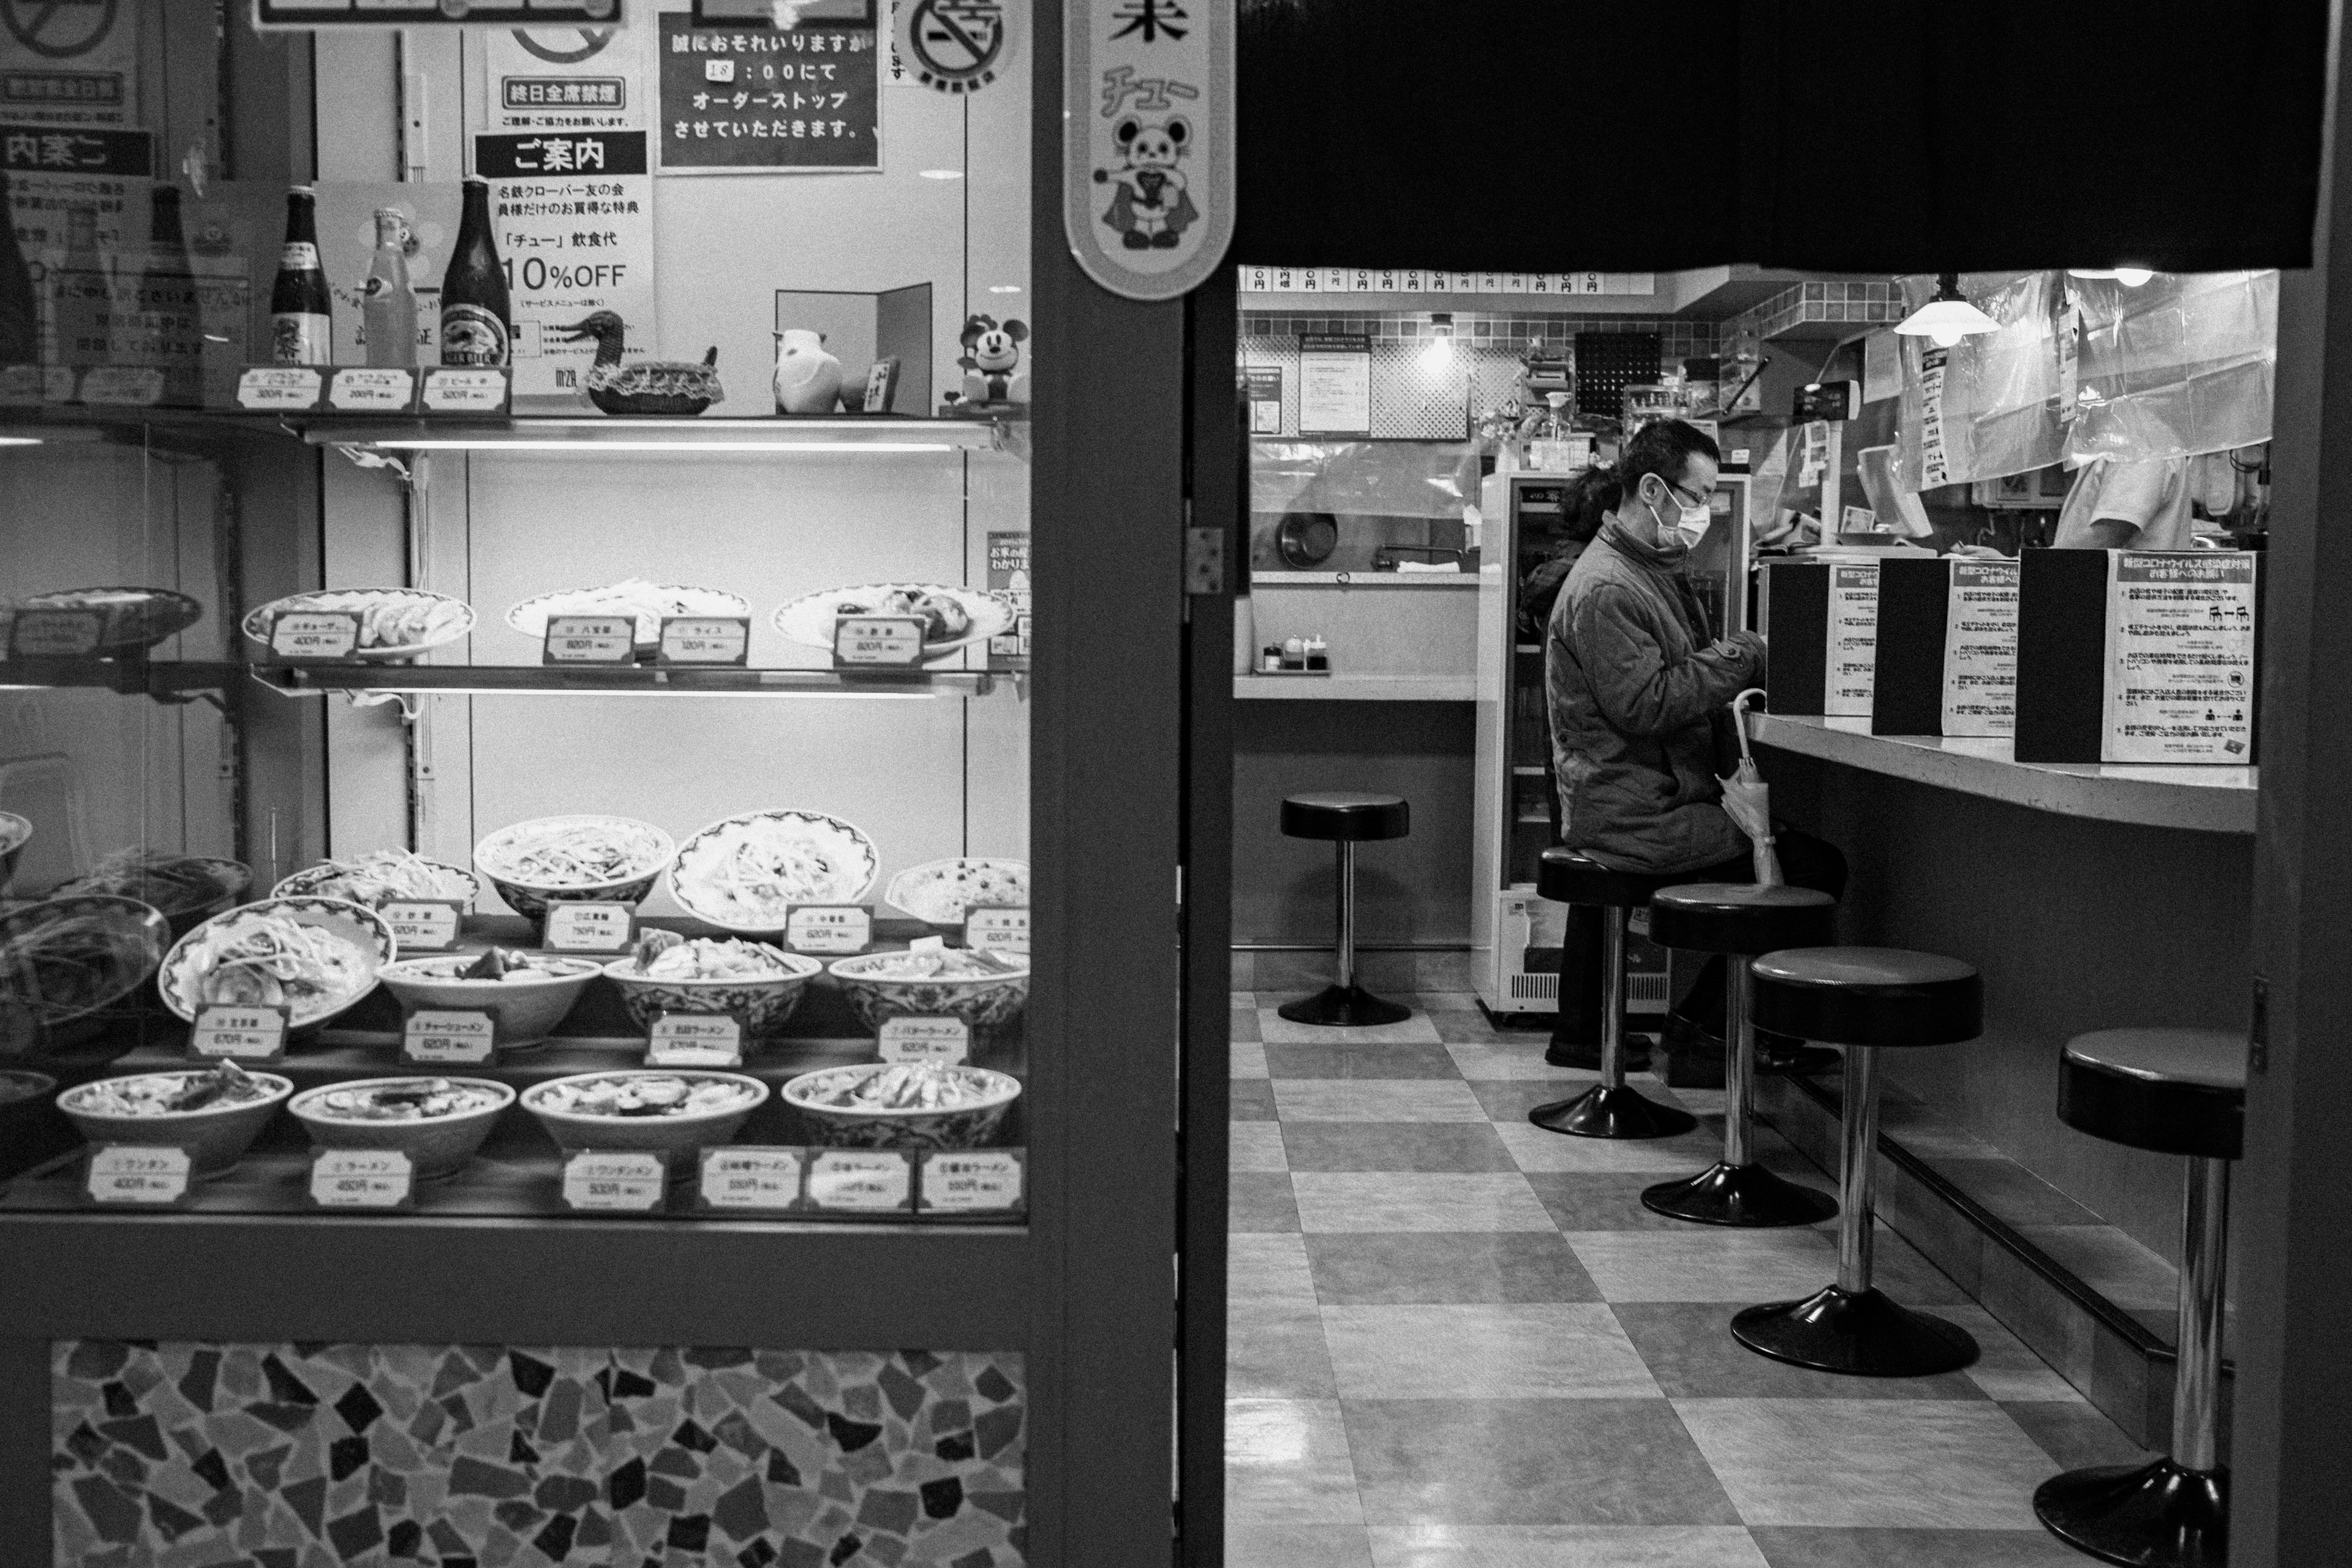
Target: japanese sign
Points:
(574, 211)
(759, 100)
(70, 62)
(587, 79)
(1147, 157)
(1008, 579)
(1853, 639)
(2179, 656)
(1980, 649)
(424, 13)
(952, 46)
(1431, 280)
(1335, 385)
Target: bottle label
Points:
(300, 338)
(300, 256)
(472, 335)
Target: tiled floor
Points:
(1460, 1342)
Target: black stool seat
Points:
(1740, 918)
(2176, 1091)
(1345, 815)
(1570, 876)
(1869, 996)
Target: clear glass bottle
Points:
(388, 301)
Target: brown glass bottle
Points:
(475, 319)
(301, 314)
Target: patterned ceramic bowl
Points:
(670, 1135)
(493, 857)
(216, 1136)
(982, 1001)
(359, 927)
(764, 1003)
(456, 881)
(435, 1146)
(966, 1126)
(527, 1004)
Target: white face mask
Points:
(1689, 520)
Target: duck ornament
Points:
(646, 385)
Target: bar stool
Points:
(1741, 922)
(1863, 998)
(1609, 1108)
(1347, 819)
(2176, 1091)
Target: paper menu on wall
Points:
(1335, 385)
(1980, 649)
(2179, 662)
(1854, 640)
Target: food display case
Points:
(544, 941)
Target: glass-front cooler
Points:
(517, 1002)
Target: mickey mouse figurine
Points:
(992, 365)
(1151, 207)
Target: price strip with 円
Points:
(138, 1176)
(888, 641)
(460, 391)
(747, 1177)
(615, 1181)
(374, 390)
(705, 639)
(829, 928)
(973, 1181)
(57, 633)
(246, 1034)
(589, 639)
(279, 388)
(362, 1179)
(587, 928)
(315, 634)
(945, 1041)
(695, 1040)
(425, 925)
(998, 930)
(434, 1036)
(861, 1181)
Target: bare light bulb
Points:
(1438, 354)
(1945, 337)
(2133, 277)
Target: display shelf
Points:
(1358, 688)
(132, 677)
(879, 435)
(2199, 799)
(458, 680)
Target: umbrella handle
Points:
(1739, 719)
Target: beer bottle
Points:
(301, 318)
(388, 305)
(474, 309)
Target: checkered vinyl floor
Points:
(1460, 1342)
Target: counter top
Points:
(1356, 688)
(1365, 579)
(2199, 799)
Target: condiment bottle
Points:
(1293, 653)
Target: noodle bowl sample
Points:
(381, 877)
(314, 957)
(746, 872)
(573, 860)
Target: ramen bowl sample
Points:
(985, 990)
(214, 1113)
(746, 872)
(438, 1122)
(187, 890)
(904, 1105)
(760, 984)
(668, 1111)
(381, 877)
(314, 957)
(393, 622)
(68, 962)
(526, 994)
(573, 860)
(942, 892)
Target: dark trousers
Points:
(1805, 862)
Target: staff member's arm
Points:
(1641, 691)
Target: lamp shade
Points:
(1949, 316)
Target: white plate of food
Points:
(745, 872)
(381, 877)
(953, 617)
(646, 603)
(395, 623)
(128, 617)
(315, 957)
(942, 892)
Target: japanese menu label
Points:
(1335, 385)
(861, 1181)
(362, 1179)
(2179, 656)
(694, 1040)
(56, 633)
(705, 639)
(887, 640)
(589, 639)
(829, 928)
(1008, 579)
(279, 388)
(315, 634)
(440, 1038)
(747, 1177)
(1980, 649)
(574, 211)
(976, 1181)
(941, 1040)
(1854, 640)
(460, 390)
(429, 925)
(249, 1034)
(613, 1181)
(372, 390)
(758, 100)
(998, 930)
(137, 1176)
(587, 928)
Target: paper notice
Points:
(1935, 464)
(1854, 640)
(2179, 656)
(1335, 385)
(1980, 649)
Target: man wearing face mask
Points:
(1637, 681)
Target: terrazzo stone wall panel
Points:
(331, 1455)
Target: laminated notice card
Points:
(1853, 638)
(2179, 656)
(1980, 649)
(1335, 385)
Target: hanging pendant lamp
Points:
(1949, 316)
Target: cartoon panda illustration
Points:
(1151, 208)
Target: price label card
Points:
(889, 640)
(942, 1040)
(362, 1179)
(137, 1176)
(705, 639)
(428, 925)
(56, 633)
(620, 1180)
(861, 1181)
(973, 1181)
(586, 928)
(434, 1036)
(315, 634)
(279, 387)
(123, 386)
(744, 1177)
(829, 928)
(589, 639)
(451, 390)
(246, 1034)
(372, 390)
(695, 1040)
(998, 930)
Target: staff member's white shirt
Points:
(2153, 497)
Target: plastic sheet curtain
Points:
(1364, 478)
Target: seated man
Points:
(1638, 685)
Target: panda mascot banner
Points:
(1148, 177)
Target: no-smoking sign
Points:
(954, 46)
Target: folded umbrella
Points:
(1747, 799)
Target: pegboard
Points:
(1609, 362)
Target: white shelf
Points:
(1365, 579)
(879, 435)
(2199, 799)
(1356, 688)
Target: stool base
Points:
(2147, 1516)
(1604, 1112)
(1800, 1061)
(1860, 1333)
(1345, 1008)
(1745, 1196)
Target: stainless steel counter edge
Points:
(2199, 799)
(1356, 688)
